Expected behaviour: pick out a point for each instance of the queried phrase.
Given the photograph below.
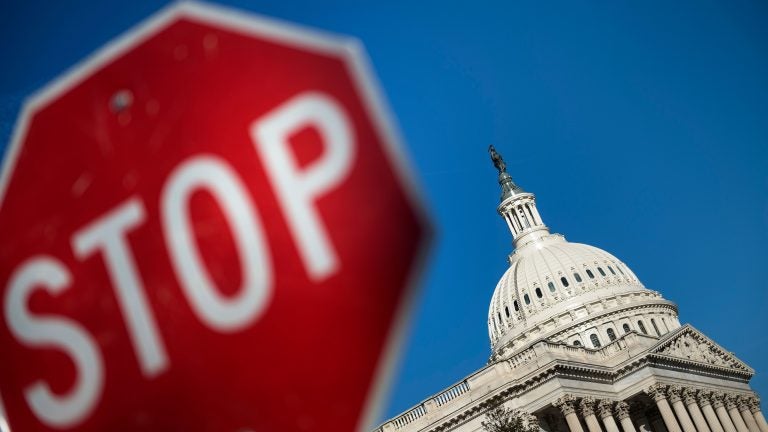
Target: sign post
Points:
(206, 226)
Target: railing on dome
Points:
(421, 409)
(452, 393)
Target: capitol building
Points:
(579, 344)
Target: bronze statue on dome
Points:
(498, 162)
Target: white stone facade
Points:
(579, 343)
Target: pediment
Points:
(689, 344)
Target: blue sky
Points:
(642, 127)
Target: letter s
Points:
(58, 411)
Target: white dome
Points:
(549, 276)
(563, 292)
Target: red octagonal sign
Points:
(208, 225)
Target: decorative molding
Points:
(717, 399)
(704, 398)
(754, 404)
(566, 404)
(605, 407)
(692, 345)
(587, 406)
(730, 401)
(673, 392)
(743, 403)
(621, 409)
(657, 392)
(689, 396)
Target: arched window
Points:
(576, 343)
(626, 328)
(500, 321)
(611, 334)
(527, 299)
(611, 269)
(551, 286)
(506, 311)
(595, 340)
(600, 269)
(642, 327)
(538, 293)
(590, 274)
(577, 277)
(655, 327)
(516, 305)
(620, 270)
(564, 281)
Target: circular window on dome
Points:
(564, 281)
(590, 274)
(600, 269)
(538, 293)
(527, 299)
(551, 286)
(577, 277)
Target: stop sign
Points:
(208, 225)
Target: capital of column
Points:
(604, 407)
(673, 392)
(743, 403)
(754, 404)
(704, 398)
(587, 406)
(689, 396)
(566, 404)
(730, 401)
(621, 409)
(656, 392)
(717, 399)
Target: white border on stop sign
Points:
(287, 33)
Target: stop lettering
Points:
(207, 225)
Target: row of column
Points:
(688, 410)
(609, 411)
(682, 410)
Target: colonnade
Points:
(682, 409)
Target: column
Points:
(605, 409)
(722, 414)
(673, 393)
(588, 412)
(754, 408)
(621, 410)
(656, 392)
(689, 399)
(733, 410)
(706, 407)
(566, 405)
(743, 403)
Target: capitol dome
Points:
(564, 292)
